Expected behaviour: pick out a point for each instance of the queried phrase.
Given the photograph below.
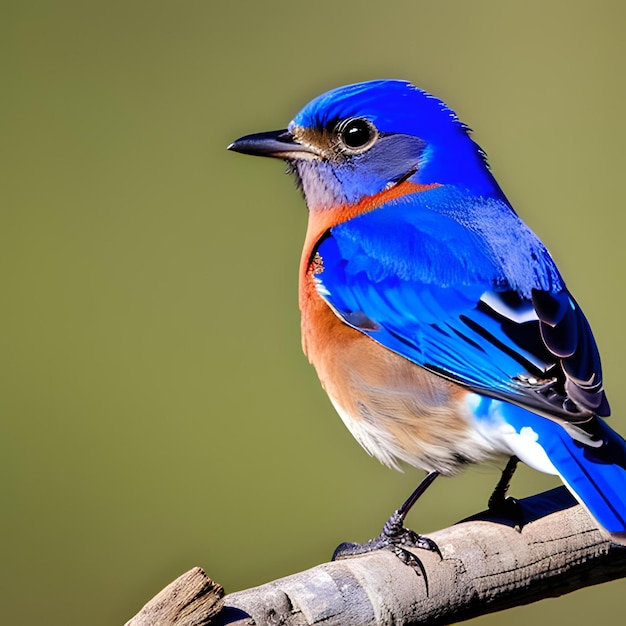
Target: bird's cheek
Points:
(321, 187)
(357, 183)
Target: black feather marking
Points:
(567, 334)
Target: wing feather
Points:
(433, 291)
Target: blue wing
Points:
(468, 292)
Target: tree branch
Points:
(489, 564)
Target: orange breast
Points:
(397, 410)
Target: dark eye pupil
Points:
(356, 134)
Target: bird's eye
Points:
(356, 135)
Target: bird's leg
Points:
(394, 535)
(499, 502)
(498, 496)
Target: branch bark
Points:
(489, 564)
(193, 599)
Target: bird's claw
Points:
(415, 540)
(410, 559)
(509, 508)
(396, 538)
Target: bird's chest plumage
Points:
(395, 409)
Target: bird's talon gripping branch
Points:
(348, 550)
(415, 540)
(396, 534)
(395, 537)
(511, 510)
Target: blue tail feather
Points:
(593, 467)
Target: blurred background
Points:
(157, 412)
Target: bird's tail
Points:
(590, 461)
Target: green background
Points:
(156, 410)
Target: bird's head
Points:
(362, 139)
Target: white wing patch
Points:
(523, 444)
(520, 315)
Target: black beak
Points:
(276, 143)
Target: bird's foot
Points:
(505, 506)
(396, 538)
(509, 509)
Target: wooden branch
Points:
(488, 565)
(193, 599)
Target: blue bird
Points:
(437, 321)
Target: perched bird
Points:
(437, 321)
